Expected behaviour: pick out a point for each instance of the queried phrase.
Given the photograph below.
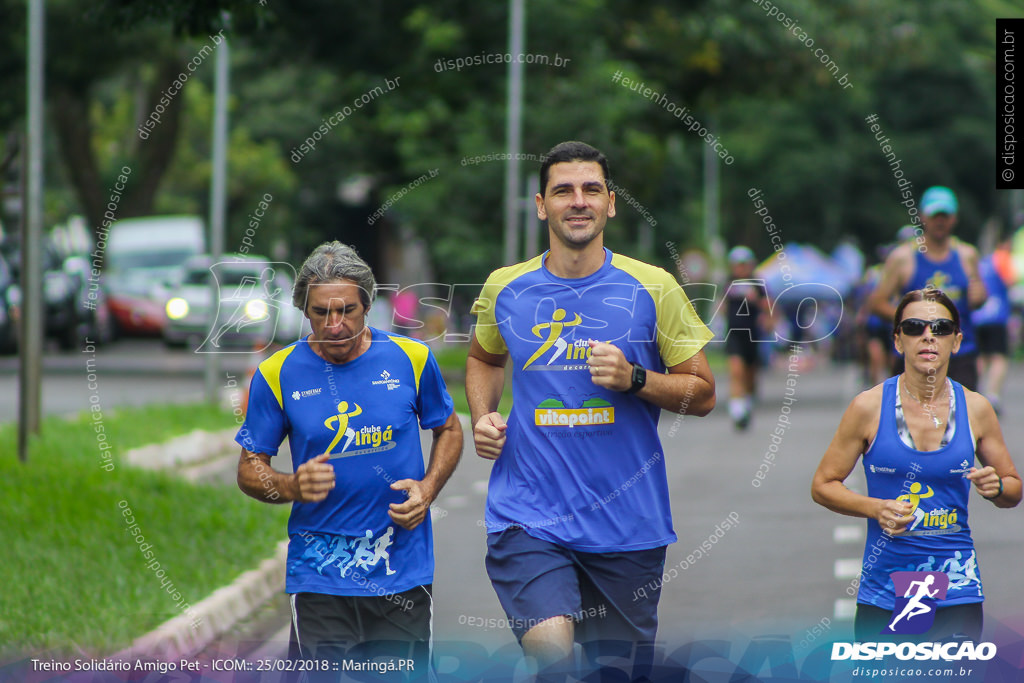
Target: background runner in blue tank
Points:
(938, 260)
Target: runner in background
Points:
(747, 308)
(937, 260)
(990, 322)
(876, 331)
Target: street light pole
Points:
(514, 130)
(30, 367)
(218, 203)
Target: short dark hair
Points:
(571, 150)
(926, 294)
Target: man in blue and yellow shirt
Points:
(578, 510)
(351, 400)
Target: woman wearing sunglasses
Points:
(919, 434)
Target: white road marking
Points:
(845, 609)
(848, 533)
(847, 568)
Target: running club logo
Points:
(372, 438)
(944, 281)
(917, 593)
(932, 522)
(551, 333)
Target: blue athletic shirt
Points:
(367, 414)
(996, 310)
(935, 483)
(949, 276)
(582, 466)
(873, 323)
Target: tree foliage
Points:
(754, 82)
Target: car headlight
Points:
(256, 309)
(55, 289)
(177, 308)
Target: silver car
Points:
(240, 303)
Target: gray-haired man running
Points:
(352, 399)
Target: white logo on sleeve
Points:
(296, 395)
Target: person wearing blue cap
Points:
(936, 259)
(747, 305)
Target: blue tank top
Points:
(949, 276)
(939, 538)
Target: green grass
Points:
(452, 358)
(452, 361)
(75, 577)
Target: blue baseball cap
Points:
(741, 254)
(938, 199)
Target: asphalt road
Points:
(784, 567)
(127, 372)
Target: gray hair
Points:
(330, 262)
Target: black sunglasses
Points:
(914, 327)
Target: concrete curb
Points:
(179, 638)
(188, 449)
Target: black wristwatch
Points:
(639, 379)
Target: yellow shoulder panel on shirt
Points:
(417, 352)
(271, 371)
(681, 332)
(486, 329)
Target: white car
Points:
(240, 303)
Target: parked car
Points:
(10, 301)
(67, 316)
(142, 256)
(95, 316)
(252, 306)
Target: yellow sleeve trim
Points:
(680, 331)
(486, 328)
(271, 371)
(417, 353)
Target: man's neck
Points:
(573, 264)
(936, 250)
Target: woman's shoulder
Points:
(979, 408)
(867, 405)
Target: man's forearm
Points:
(881, 307)
(257, 479)
(484, 384)
(683, 393)
(444, 455)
